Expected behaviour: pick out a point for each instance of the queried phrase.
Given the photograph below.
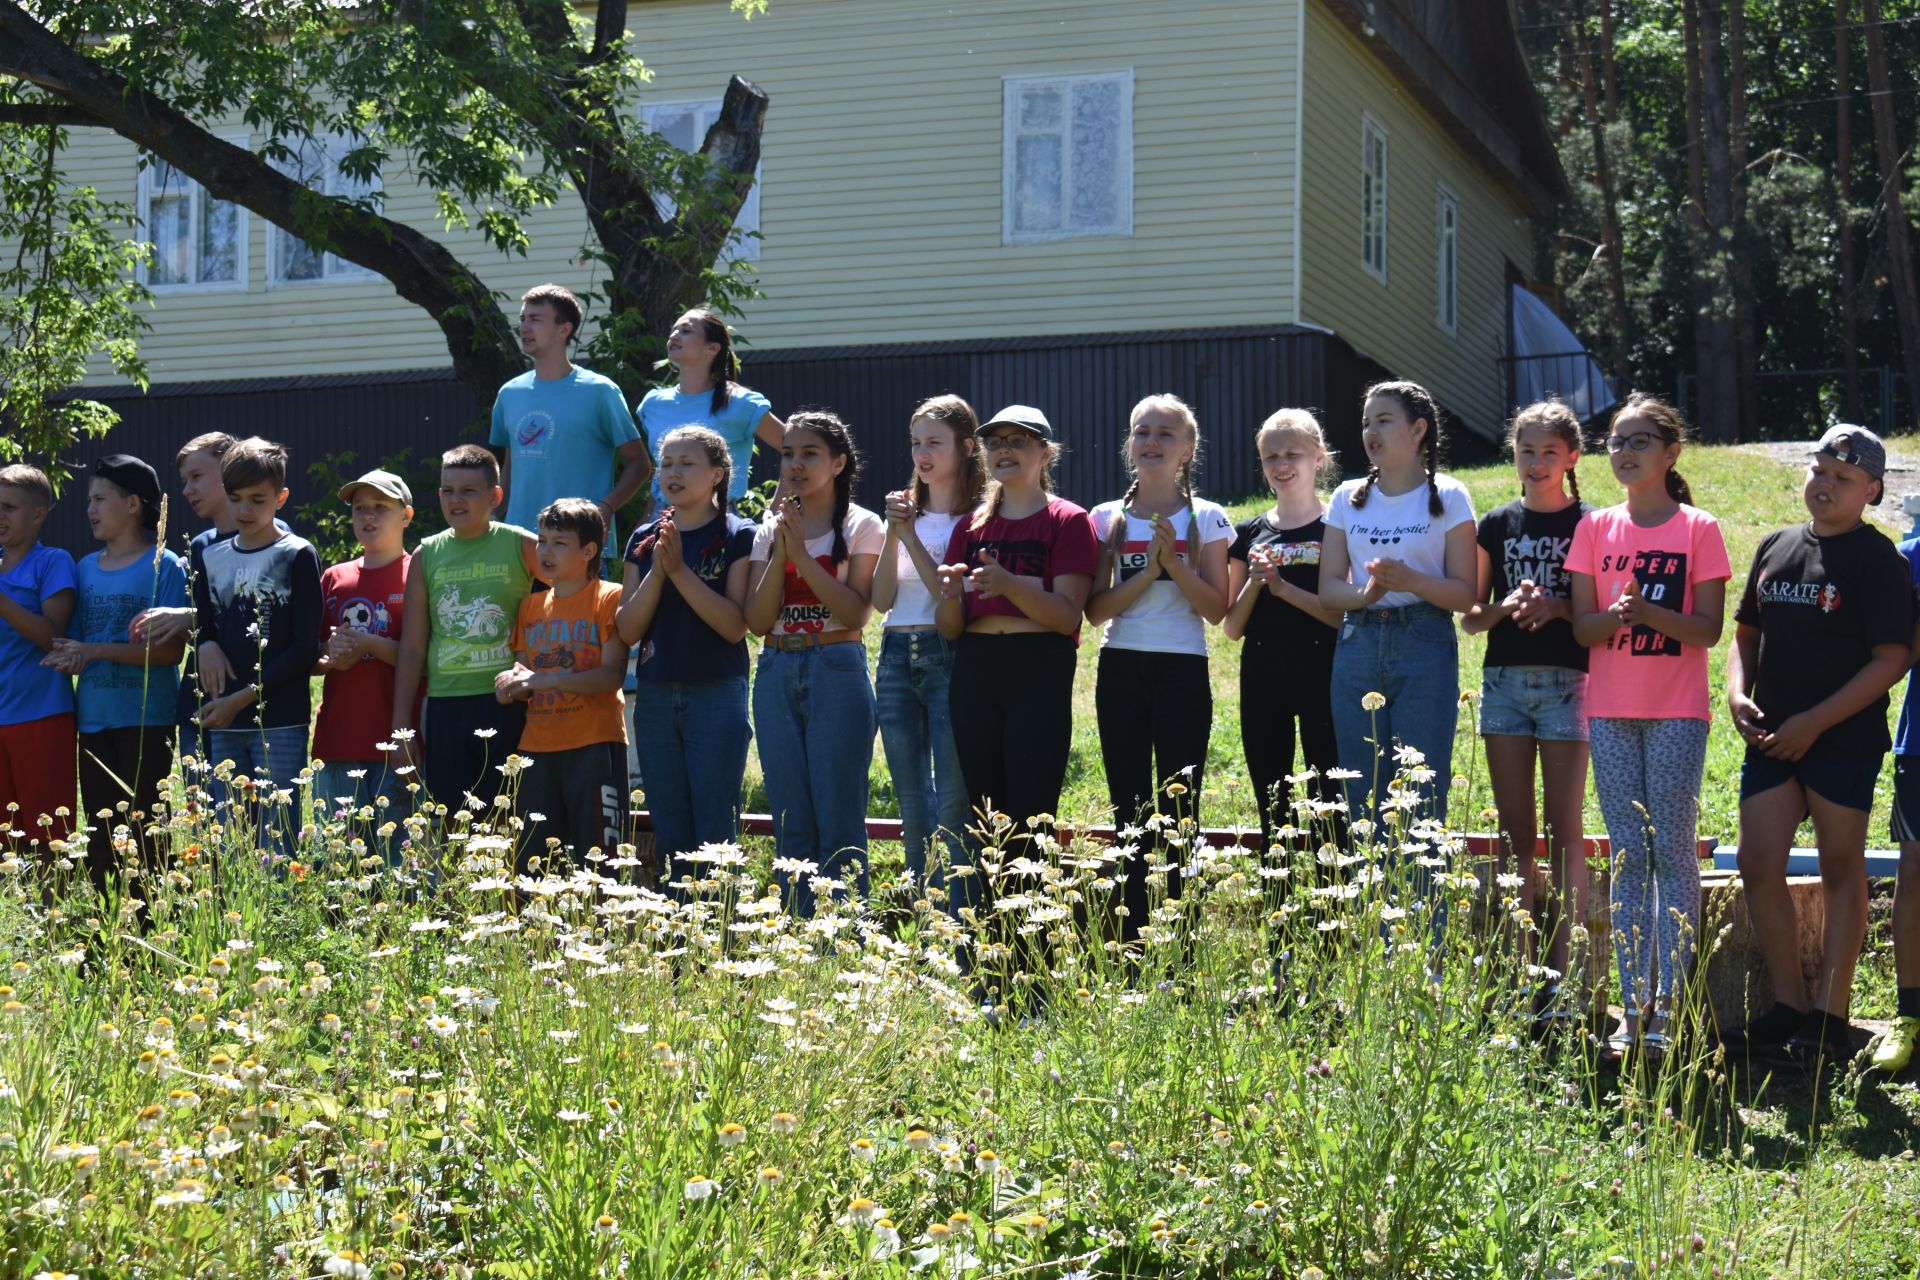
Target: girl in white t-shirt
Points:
(916, 661)
(808, 594)
(1162, 576)
(1399, 557)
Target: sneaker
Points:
(1765, 1033)
(1822, 1041)
(1893, 1048)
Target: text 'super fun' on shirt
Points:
(29, 691)
(1531, 546)
(679, 647)
(1639, 673)
(262, 605)
(1402, 527)
(118, 695)
(1055, 541)
(1161, 619)
(356, 705)
(913, 604)
(474, 588)
(1296, 554)
(664, 408)
(561, 435)
(1822, 605)
(801, 612)
(566, 634)
(1906, 736)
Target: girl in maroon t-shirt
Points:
(1013, 590)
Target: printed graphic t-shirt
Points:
(117, 695)
(1532, 546)
(1054, 541)
(356, 704)
(566, 634)
(1640, 673)
(474, 588)
(913, 604)
(1296, 554)
(1822, 604)
(29, 691)
(1161, 619)
(801, 612)
(561, 435)
(1402, 527)
(262, 605)
(664, 408)
(679, 647)
(1906, 738)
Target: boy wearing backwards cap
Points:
(127, 688)
(361, 604)
(36, 704)
(1825, 628)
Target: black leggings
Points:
(1275, 690)
(1011, 698)
(1156, 714)
(129, 764)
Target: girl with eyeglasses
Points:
(1649, 581)
(1013, 591)
(809, 593)
(1398, 560)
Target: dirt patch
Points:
(1903, 480)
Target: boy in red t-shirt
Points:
(569, 664)
(361, 604)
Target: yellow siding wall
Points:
(1394, 323)
(881, 195)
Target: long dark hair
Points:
(958, 417)
(828, 426)
(1668, 425)
(1417, 403)
(1553, 417)
(725, 369)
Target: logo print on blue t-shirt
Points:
(535, 432)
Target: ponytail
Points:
(725, 369)
(1677, 487)
(1666, 423)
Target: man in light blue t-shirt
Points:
(563, 427)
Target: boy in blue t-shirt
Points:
(36, 703)
(126, 688)
(1892, 1050)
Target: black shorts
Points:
(1842, 780)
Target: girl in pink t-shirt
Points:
(1649, 581)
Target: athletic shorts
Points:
(1842, 780)
(1904, 825)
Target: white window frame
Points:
(1374, 195)
(1446, 259)
(1010, 90)
(334, 270)
(744, 244)
(197, 194)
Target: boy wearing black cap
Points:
(1824, 630)
(126, 690)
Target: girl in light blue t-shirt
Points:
(701, 350)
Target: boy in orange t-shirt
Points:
(569, 665)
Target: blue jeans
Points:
(273, 757)
(691, 740)
(813, 712)
(336, 790)
(916, 728)
(1411, 656)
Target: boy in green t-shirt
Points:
(464, 590)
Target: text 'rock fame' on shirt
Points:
(1532, 546)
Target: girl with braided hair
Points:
(809, 593)
(1161, 577)
(707, 393)
(1398, 560)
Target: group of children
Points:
(490, 641)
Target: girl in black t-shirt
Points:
(1533, 695)
(1287, 635)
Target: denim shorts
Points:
(1548, 703)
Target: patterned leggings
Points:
(1648, 775)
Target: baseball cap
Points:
(131, 474)
(1857, 447)
(1024, 416)
(382, 482)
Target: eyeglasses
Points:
(1024, 440)
(1638, 442)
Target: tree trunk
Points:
(1608, 78)
(1843, 213)
(1746, 329)
(1886, 139)
(1611, 240)
(1718, 411)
